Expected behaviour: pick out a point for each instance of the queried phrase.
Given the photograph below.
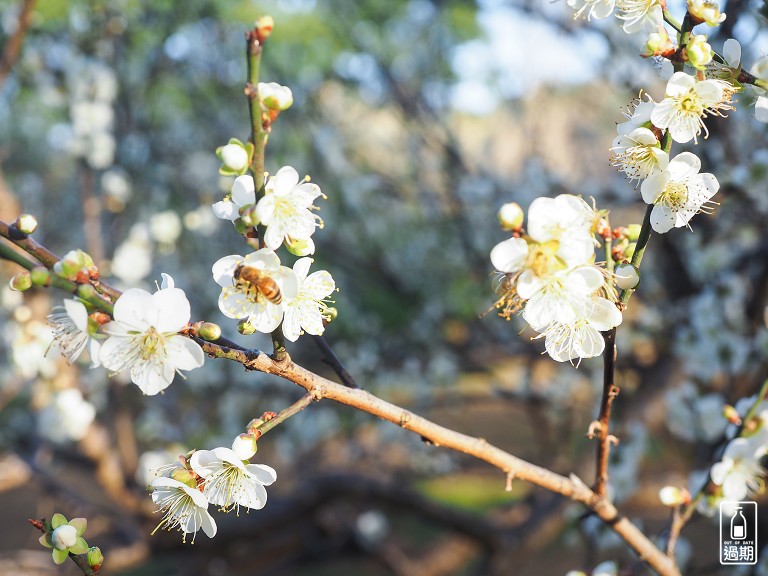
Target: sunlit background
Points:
(417, 119)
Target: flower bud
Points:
(674, 496)
(698, 52)
(731, 414)
(633, 232)
(64, 537)
(209, 331)
(184, 476)
(86, 291)
(658, 44)
(705, 11)
(248, 215)
(76, 265)
(26, 223)
(240, 226)
(511, 216)
(20, 282)
(40, 276)
(300, 248)
(629, 251)
(235, 157)
(264, 27)
(627, 276)
(254, 425)
(331, 313)
(244, 446)
(274, 96)
(245, 328)
(95, 558)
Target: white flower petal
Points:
(509, 256)
(226, 210)
(243, 191)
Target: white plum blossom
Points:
(640, 15)
(687, 103)
(71, 332)
(275, 96)
(638, 154)
(581, 338)
(567, 219)
(564, 297)
(184, 508)
(306, 312)
(144, 338)
(229, 483)
(593, 8)
(243, 194)
(67, 417)
(244, 299)
(739, 472)
(705, 11)
(678, 193)
(639, 116)
(285, 208)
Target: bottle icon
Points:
(738, 525)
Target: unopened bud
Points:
(209, 331)
(658, 44)
(705, 11)
(264, 27)
(629, 251)
(627, 276)
(26, 223)
(40, 276)
(304, 247)
(240, 226)
(95, 558)
(698, 52)
(730, 413)
(603, 229)
(235, 157)
(184, 476)
(76, 265)
(86, 291)
(254, 425)
(248, 215)
(331, 313)
(274, 96)
(511, 216)
(64, 537)
(633, 232)
(21, 282)
(245, 328)
(244, 446)
(674, 496)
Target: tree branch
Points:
(12, 49)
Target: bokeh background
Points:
(418, 119)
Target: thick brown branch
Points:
(572, 487)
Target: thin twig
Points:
(333, 361)
(292, 410)
(676, 525)
(12, 49)
(610, 391)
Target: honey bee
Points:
(255, 283)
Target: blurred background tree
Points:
(417, 119)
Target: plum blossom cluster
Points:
(548, 272)
(142, 338)
(257, 287)
(222, 477)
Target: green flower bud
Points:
(184, 476)
(21, 282)
(634, 232)
(40, 276)
(95, 557)
(629, 251)
(245, 328)
(86, 291)
(240, 226)
(254, 424)
(209, 331)
(300, 247)
(698, 52)
(248, 215)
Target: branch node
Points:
(508, 484)
(595, 429)
(405, 417)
